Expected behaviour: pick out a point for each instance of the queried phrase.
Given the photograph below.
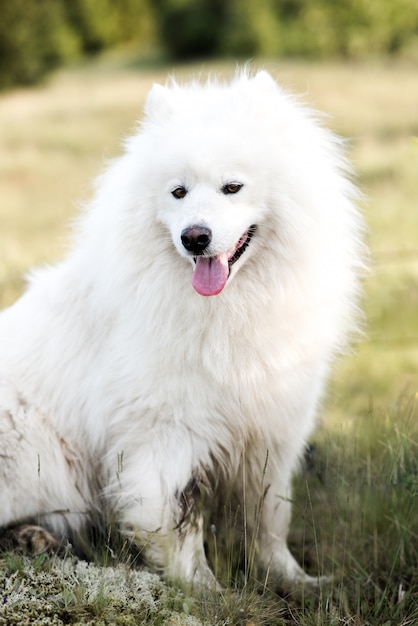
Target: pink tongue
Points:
(210, 274)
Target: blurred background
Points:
(36, 37)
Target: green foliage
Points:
(37, 36)
(34, 38)
(190, 28)
(350, 28)
(104, 23)
(358, 28)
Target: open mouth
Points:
(211, 272)
(241, 246)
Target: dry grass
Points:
(356, 505)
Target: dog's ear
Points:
(158, 102)
(265, 81)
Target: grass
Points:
(356, 501)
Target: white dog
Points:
(127, 387)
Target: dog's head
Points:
(210, 170)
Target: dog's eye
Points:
(179, 192)
(231, 188)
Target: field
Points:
(356, 500)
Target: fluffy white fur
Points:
(123, 390)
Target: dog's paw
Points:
(308, 586)
(315, 584)
(29, 539)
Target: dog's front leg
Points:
(166, 523)
(183, 552)
(267, 493)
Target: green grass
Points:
(356, 501)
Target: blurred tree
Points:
(94, 32)
(136, 20)
(250, 28)
(190, 28)
(38, 35)
(360, 28)
(34, 38)
(104, 23)
(353, 28)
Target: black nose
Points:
(196, 238)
